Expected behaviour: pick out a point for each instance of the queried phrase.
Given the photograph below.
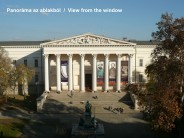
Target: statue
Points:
(86, 121)
(88, 107)
(88, 125)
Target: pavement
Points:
(63, 110)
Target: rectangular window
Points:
(36, 62)
(25, 62)
(140, 78)
(36, 77)
(140, 62)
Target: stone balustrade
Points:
(40, 101)
(135, 101)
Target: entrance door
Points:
(88, 82)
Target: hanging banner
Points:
(112, 72)
(64, 71)
(124, 71)
(100, 72)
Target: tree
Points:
(11, 75)
(166, 73)
(23, 76)
(5, 69)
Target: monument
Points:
(88, 126)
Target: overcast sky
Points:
(136, 21)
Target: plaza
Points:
(61, 111)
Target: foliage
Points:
(5, 68)
(23, 72)
(166, 73)
(11, 75)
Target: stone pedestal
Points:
(88, 133)
(88, 126)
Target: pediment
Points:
(88, 39)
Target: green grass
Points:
(12, 127)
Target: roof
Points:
(151, 42)
(23, 43)
(20, 43)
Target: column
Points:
(118, 73)
(70, 72)
(106, 72)
(130, 68)
(58, 62)
(82, 74)
(94, 73)
(46, 57)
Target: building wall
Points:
(142, 53)
(30, 53)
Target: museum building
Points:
(83, 63)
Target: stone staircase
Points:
(64, 103)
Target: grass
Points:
(18, 100)
(12, 127)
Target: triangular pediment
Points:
(88, 39)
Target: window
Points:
(140, 62)
(140, 78)
(36, 77)
(25, 62)
(36, 62)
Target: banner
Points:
(64, 71)
(124, 71)
(112, 72)
(100, 72)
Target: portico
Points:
(68, 61)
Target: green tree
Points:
(5, 69)
(166, 73)
(11, 75)
(23, 76)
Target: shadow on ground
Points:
(56, 107)
(60, 118)
(127, 100)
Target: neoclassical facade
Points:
(83, 63)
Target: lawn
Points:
(12, 127)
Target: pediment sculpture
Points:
(88, 39)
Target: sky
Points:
(136, 21)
